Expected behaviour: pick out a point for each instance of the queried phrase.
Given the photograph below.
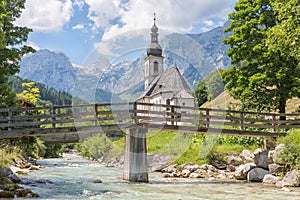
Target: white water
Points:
(72, 177)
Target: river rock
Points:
(257, 174)
(291, 179)
(234, 160)
(170, 169)
(263, 158)
(97, 181)
(242, 171)
(156, 162)
(270, 179)
(276, 155)
(197, 175)
(208, 167)
(218, 164)
(200, 173)
(168, 175)
(185, 173)
(247, 156)
(11, 176)
(275, 169)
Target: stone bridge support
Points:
(135, 163)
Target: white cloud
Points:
(103, 11)
(78, 27)
(175, 15)
(79, 3)
(33, 45)
(209, 22)
(51, 15)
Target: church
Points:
(163, 86)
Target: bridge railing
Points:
(94, 118)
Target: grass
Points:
(185, 147)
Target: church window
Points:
(155, 67)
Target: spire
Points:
(154, 48)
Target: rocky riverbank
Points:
(9, 179)
(258, 166)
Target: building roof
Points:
(170, 81)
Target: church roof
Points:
(169, 81)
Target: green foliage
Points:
(31, 147)
(201, 93)
(30, 93)
(95, 147)
(264, 50)
(11, 47)
(209, 87)
(244, 141)
(7, 155)
(290, 154)
(48, 96)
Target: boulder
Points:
(208, 167)
(270, 179)
(257, 174)
(291, 179)
(167, 175)
(275, 169)
(156, 162)
(276, 155)
(196, 175)
(263, 158)
(218, 164)
(185, 173)
(242, 171)
(11, 176)
(170, 169)
(247, 156)
(234, 160)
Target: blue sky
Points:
(76, 27)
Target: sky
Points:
(77, 27)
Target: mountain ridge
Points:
(95, 81)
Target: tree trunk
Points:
(282, 104)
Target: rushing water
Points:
(72, 177)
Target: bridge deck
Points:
(114, 118)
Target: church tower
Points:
(154, 62)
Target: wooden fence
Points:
(114, 118)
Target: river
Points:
(72, 177)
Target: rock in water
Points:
(257, 174)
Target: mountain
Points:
(196, 55)
(54, 69)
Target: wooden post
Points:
(242, 121)
(96, 115)
(10, 116)
(135, 119)
(274, 123)
(172, 115)
(135, 162)
(207, 118)
(53, 117)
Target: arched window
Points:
(156, 68)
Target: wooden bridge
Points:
(114, 118)
(70, 123)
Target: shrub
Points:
(95, 147)
(290, 153)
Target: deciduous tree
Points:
(264, 49)
(12, 48)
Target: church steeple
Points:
(154, 48)
(154, 62)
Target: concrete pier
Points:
(135, 163)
